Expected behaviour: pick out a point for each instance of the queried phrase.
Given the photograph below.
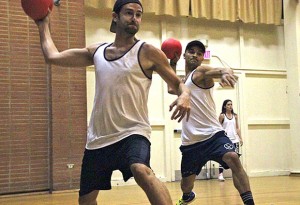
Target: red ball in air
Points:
(37, 9)
(171, 46)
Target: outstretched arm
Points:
(155, 60)
(70, 57)
(205, 75)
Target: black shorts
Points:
(99, 164)
(195, 156)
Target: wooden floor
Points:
(281, 190)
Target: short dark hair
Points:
(195, 43)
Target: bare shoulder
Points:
(152, 57)
(93, 47)
(151, 51)
(202, 76)
(199, 73)
(221, 116)
(204, 68)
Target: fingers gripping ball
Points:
(171, 46)
(37, 9)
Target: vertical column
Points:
(292, 56)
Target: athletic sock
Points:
(247, 198)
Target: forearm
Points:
(183, 90)
(170, 89)
(216, 72)
(225, 74)
(239, 134)
(48, 47)
(173, 65)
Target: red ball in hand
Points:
(171, 46)
(37, 9)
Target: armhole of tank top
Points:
(200, 86)
(191, 76)
(191, 79)
(98, 48)
(138, 56)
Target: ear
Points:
(183, 56)
(114, 16)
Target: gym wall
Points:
(42, 107)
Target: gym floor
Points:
(279, 190)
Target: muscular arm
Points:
(173, 63)
(70, 57)
(154, 59)
(204, 76)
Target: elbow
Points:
(47, 60)
(171, 91)
(50, 59)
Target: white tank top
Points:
(120, 102)
(229, 126)
(203, 121)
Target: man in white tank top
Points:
(119, 129)
(203, 137)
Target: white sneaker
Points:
(221, 178)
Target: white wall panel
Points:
(158, 152)
(266, 97)
(263, 47)
(268, 138)
(269, 150)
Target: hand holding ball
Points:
(37, 9)
(170, 47)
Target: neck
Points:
(189, 68)
(228, 112)
(123, 41)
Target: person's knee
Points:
(89, 199)
(232, 159)
(140, 172)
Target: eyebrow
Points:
(129, 9)
(191, 49)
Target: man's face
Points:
(194, 56)
(130, 18)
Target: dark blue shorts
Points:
(195, 156)
(98, 165)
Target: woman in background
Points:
(229, 120)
